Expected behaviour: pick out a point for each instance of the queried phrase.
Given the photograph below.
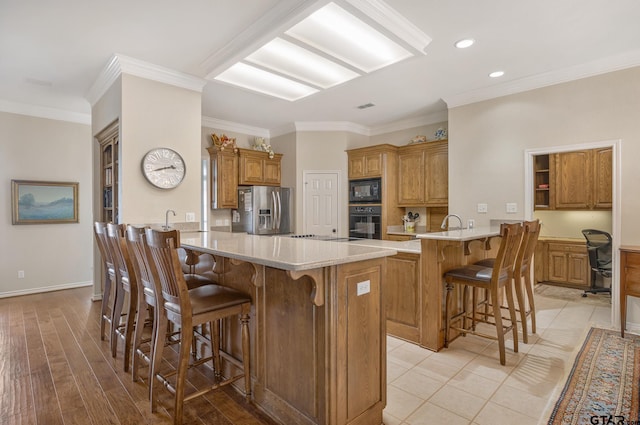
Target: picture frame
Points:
(44, 202)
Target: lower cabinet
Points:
(562, 262)
(402, 296)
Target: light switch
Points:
(512, 207)
(483, 208)
(190, 217)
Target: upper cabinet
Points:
(365, 162)
(229, 169)
(224, 178)
(256, 168)
(423, 174)
(576, 180)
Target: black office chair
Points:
(600, 258)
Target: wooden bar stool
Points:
(106, 310)
(522, 270)
(493, 280)
(126, 287)
(186, 309)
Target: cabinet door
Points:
(373, 165)
(402, 295)
(272, 171)
(437, 176)
(573, 180)
(602, 181)
(578, 268)
(411, 180)
(557, 265)
(356, 166)
(224, 173)
(251, 170)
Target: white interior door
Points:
(321, 203)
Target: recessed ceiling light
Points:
(496, 74)
(463, 44)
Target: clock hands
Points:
(172, 167)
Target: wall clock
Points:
(163, 168)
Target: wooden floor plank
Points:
(51, 356)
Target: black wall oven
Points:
(365, 191)
(365, 222)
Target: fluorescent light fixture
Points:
(463, 44)
(336, 32)
(496, 74)
(256, 79)
(290, 59)
(327, 48)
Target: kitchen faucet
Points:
(166, 219)
(444, 222)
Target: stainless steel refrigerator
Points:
(262, 210)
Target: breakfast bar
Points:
(441, 252)
(318, 353)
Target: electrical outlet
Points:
(471, 223)
(190, 217)
(483, 208)
(20, 274)
(512, 207)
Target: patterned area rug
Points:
(602, 387)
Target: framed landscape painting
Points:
(42, 202)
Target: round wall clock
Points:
(163, 167)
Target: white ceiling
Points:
(52, 52)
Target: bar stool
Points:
(493, 280)
(106, 309)
(188, 308)
(126, 287)
(522, 270)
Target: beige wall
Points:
(53, 256)
(487, 141)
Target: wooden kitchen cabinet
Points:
(583, 179)
(423, 174)
(224, 178)
(402, 293)
(109, 140)
(562, 262)
(256, 168)
(544, 186)
(629, 279)
(366, 162)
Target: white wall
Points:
(487, 141)
(53, 256)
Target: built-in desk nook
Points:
(318, 352)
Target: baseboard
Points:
(44, 289)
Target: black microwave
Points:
(365, 191)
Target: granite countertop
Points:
(462, 235)
(399, 230)
(282, 252)
(412, 246)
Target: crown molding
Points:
(234, 126)
(120, 64)
(433, 118)
(590, 69)
(44, 112)
(331, 126)
(282, 130)
(393, 21)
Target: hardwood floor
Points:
(54, 369)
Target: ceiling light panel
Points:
(336, 32)
(262, 81)
(290, 59)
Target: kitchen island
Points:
(441, 252)
(318, 353)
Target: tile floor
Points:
(465, 384)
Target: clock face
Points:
(163, 167)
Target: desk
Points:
(629, 279)
(318, 354)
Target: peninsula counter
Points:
(441, 252)
(318, 353)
